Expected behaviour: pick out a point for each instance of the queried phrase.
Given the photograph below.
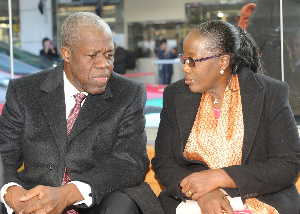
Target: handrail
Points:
(281, 41)
(11, 52)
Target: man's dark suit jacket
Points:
(271, 150)
(106, 147)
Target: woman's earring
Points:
(222, 71)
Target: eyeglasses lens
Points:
(182, 60)
(187, 60)
(190, 62)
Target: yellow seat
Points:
(150, 176)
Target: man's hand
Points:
(200, 183)
(50, 199)
(214, 202)
(13, 195)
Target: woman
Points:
(225, 129)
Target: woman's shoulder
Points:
(178, 86)
(269, 82)
(249, 78)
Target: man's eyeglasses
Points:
(191, 62)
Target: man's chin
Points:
(95, 91)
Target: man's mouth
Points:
(101, 80)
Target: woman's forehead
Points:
(195, 45)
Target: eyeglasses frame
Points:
(197, 60)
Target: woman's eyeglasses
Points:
(191, 62)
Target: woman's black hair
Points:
(224, 38)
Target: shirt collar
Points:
(69, 89)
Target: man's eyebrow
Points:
(91, 51)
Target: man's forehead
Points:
(96, 36)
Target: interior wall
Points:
(34, 25)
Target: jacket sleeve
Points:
(11, 121)
(166, 161)
(277, 134)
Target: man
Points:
(92, 165)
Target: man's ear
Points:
(65, 53)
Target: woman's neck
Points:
(217, 97)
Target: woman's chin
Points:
(194, 89)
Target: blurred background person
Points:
(245, 14)
(49, 50)
(165, 70)
(120, 60)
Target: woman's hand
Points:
(200, 183)
(214, 202)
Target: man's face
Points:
(89, 65)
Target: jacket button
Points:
(50, 166)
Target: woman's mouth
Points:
(189, 81)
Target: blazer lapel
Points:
(53, 106)
(186, 105)
(252, 95)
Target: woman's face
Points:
(205, 76)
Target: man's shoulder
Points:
(120, 81)
(124, 88)
(34, 81)
(36, 77)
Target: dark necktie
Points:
(70, 122)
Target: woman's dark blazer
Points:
(270, 155)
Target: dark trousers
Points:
(114, 203)
(168, 203)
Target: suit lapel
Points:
(252, 95)
(186, 105)
(93, 107)
(53, 106)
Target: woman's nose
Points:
(186, 68)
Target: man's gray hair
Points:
(69, 35)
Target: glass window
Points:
(4, 22)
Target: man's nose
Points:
(101, 61)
